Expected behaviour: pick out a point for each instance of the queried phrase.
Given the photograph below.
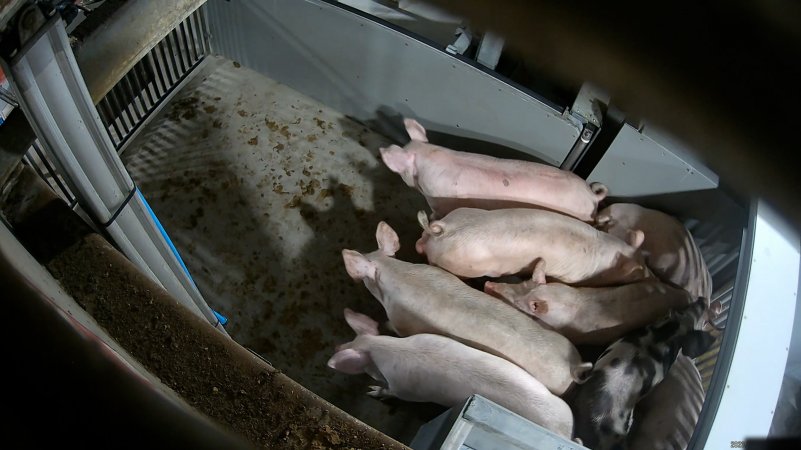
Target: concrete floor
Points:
(260, 189)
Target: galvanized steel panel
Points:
(361, 66)
(636, 164)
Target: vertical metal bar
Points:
(104, 117)
(116, 108)
(142, 77)
(204, 29)
(175, 53)
(166, 65)
(52, 171)
(144, 92)
(192, 29)
(30, 162)
(123, 110)
(186, 47)
(178, 50)
(171, 53)
(133, 76)
(133, 96)
(159, 72)
(105, 106)
(194, 32)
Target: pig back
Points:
(665, 419)
(470, 179)
(598, 316)
(669, 247)
(424, 299)
(479, 243)
(428, 367)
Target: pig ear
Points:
(357, 265)
(350, 361)
(433, 228)
(422, 219)
(600, 190)
(397, 159)
(711, 313)
(604, 220)
(387, 239)
(581, 373)
(635, 238)
(696, 343)
(538, 276)
(415, 130)
(632, 268)
(361, 323)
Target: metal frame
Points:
(144, 89)
(136, 28)
(479, 423)
(56, 101)
(302, 44)
(742, 394)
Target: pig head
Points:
(349, 357)
(363, 267)
(401, 160)
(629, 369)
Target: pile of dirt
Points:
(211, 372)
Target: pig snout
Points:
(420, 245)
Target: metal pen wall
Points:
(131, 101)
(139, 93)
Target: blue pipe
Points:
(223, 320)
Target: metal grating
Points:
(140, 92)
(38, 161)
(720, 247)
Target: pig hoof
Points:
(379, 392)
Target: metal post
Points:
(56, 101)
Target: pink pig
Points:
(473, 243)
(451, 179)
(589, 315)
(420, 298)
(669, 249)
(433, 368)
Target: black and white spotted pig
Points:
(629, 369)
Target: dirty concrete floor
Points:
(260, 188)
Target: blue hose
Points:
(223, 320)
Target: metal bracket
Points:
(579, 147)
(587, 104)
(587, 110)
(489, 50)
(462, 43)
